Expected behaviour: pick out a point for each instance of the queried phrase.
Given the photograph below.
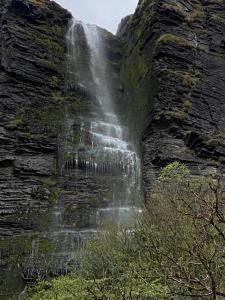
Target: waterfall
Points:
(99, 166)
(105, 145)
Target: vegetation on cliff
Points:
(176, 250)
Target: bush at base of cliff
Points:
(183, 233)
(175, 252)
(72, 288)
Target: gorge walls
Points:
(174, 65)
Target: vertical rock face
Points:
(174, 65)
(32, 49)
(32, 55)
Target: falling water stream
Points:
(110, 150)
(96, 147)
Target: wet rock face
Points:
(174, 67)
(37, 196)
(32, 51)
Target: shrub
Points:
(175, 170)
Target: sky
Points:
(104, 13)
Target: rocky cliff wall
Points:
(174, 66)
(32, 57)
(32, 52)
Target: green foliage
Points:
(66, 288)
(175, 170)
(63, 288)
(176, 250)
(184, 233)
(108, 270)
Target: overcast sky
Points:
(105, 13)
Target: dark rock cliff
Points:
(32, 49)
(174, 66)
(32, 55)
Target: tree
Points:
(183, 233)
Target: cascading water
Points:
(108, 150)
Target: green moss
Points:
(49, 62)
(187, 104)
(35, 136)
(195, 14)
(50, 184)
(138, 70)
(50, 44)
(38, 2)
(19, 29)
(190, 79)
(79, 105)
(190, 17)
(171, 38)
(176, 7)
(134, 75)
(17, 248)
(216, 138)
(218, 18)
(67, 156)
(54, 194)
(55, 81)
(48, 119)
(215, 1)
(58, 97)
(15, 122)
(180, 115)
